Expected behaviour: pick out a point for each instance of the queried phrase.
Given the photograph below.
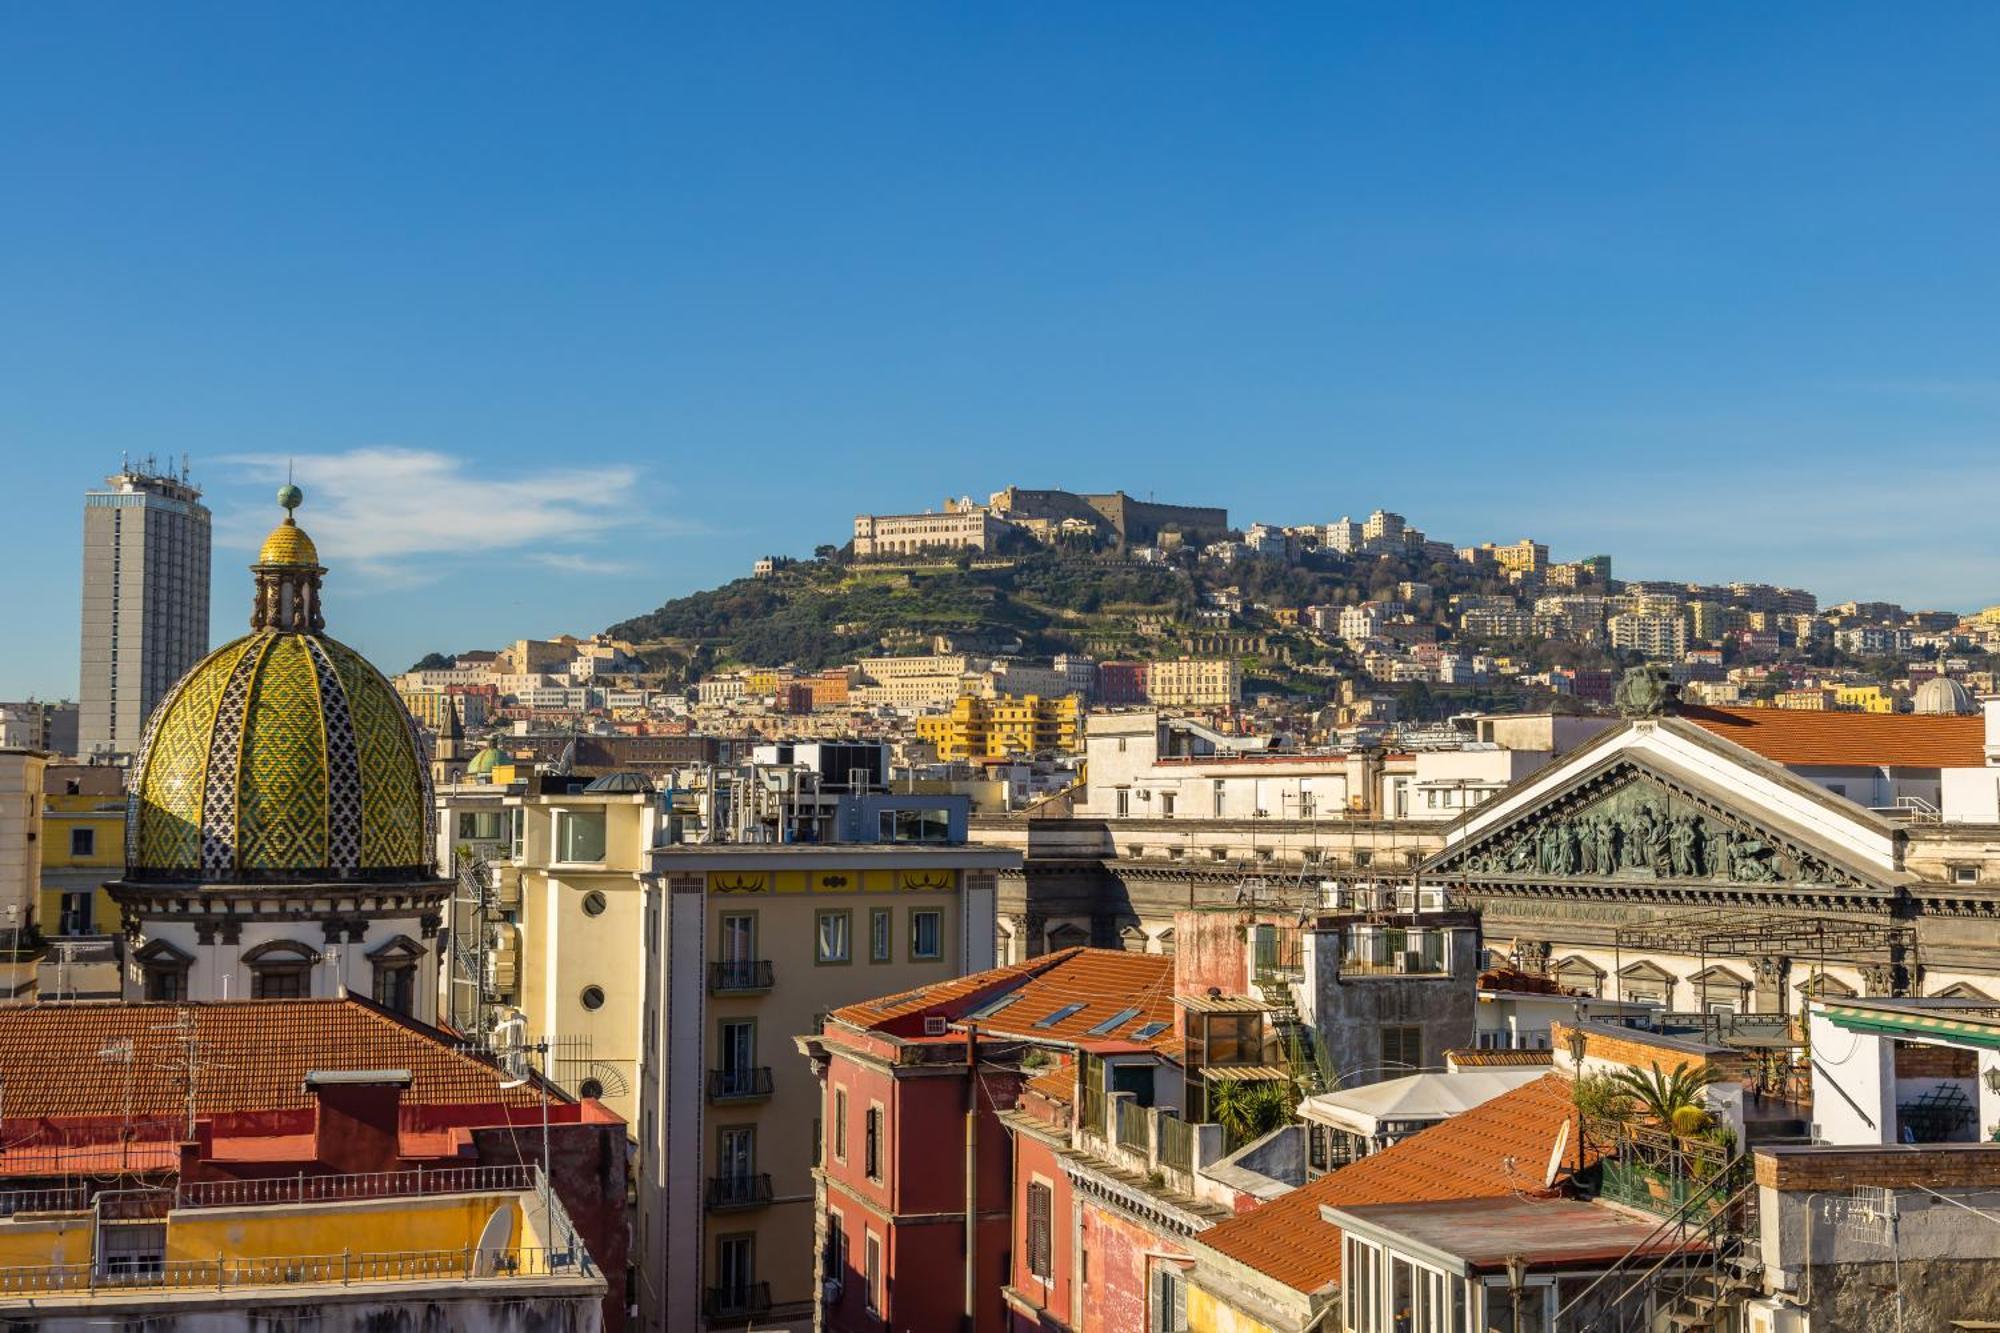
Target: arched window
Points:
(281, 970)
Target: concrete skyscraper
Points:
(145, 600)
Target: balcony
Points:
(726, 1193)
(742, 1300)
(739, 976)
(745, 1084)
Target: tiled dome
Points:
(281, 757)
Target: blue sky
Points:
(562, 311)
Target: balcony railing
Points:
(739, 976)
(739, 1191)
(739, 1301)
(302, 1269)
(364, 1185)
(745, 1084)
(70, 1199)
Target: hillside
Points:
(823, 613)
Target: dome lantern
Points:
(288, 574)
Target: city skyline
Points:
(609, 329)
(402, 523)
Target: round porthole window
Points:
(590, 1087)
(592, 997)
(593, 903)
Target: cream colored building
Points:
(21, 780)
(745, 947)
(973, 529)
(1194, 682)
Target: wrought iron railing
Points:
(1660, 1172)
(743, 1083)
(737, 1300)
(748, 1190)
(738, 975)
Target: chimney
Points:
(357, 1122)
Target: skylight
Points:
(993, 1007)
(1122, 1016)
(1059, 1015)
(1150, 1030)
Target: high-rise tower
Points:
(145, 600)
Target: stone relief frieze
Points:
(1627, 825)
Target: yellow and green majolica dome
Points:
(283, 757)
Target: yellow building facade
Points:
(977, 728)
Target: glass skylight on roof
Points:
(1059, 1015)
(995, 1006)
(1150, 1030)
(1122, 1016)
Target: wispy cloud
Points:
(569, 562)
(406, 516)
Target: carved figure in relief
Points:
(1749, 858)
(1586, 844)
(1659, 857)
(1566, 847)
(1521, 855)
(1685, 844)
(1715, 849)
(1548, 846)
(1607, 845)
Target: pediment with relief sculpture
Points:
(1629, 824)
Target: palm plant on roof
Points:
(1673, 1101)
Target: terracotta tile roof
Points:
(253, 1055)
(1798, 736)
(1087, 987)
(1466, 1157)
(1057, 1082)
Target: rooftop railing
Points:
(68, 1199)
(363, 1185)
(472, 1262)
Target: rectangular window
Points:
(1216, 795)
(840, 1124)
(76, 912)
(1235, 1039)
(1166, 805)
(83, 842)
(872, 1274)
(739, 1046)
(1402, 1047)
(1041, 1235)
(832, 942)
(735, 1270)
(835, 1267)
(872, 1144)
(926, 934)
(580, 835)
(916, 826)
(879, 930)
(1124, 796)
(1169, 1299)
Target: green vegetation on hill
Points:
(819, 615)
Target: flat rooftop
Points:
(1483, 1234)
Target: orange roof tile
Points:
(1798, 736)
(1057, 1082)
(252, 1055)
(1466, 1157)
(1087, 987)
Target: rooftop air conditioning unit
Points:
(933, 1026)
